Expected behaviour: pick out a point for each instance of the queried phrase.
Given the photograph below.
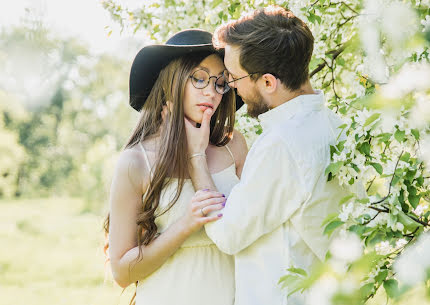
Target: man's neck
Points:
(286, 95)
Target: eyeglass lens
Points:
(201, 79)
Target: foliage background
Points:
(60, 137)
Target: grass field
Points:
(51, 253)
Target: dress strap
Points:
(146, 158)
(231, 154)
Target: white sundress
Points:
(197, 273)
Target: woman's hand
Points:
(201, 210)
(198, 138)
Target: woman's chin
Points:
(196, 119)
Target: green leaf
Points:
(216, 3)
(355, 167)
(377, 167)
(311, 17)
(346, 198)
(381, 276)
(332, 226)
(298, 271)
(399, 135)
(329, 218)
(371, 119)
(366, 290)
(340, 61)
(365, 148)
(334, 167)
(407, 222)
(375, 237)
(405, 157)
(384, 137)
(414, 200)
(420, 181)
(392, 288)
(416, 134)
(410, 175)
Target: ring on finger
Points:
(203, 213)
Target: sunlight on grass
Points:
(52, 254)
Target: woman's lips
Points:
(204, 106)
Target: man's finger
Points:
(201, 195)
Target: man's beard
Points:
(256, 105)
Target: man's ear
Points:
(269, 82)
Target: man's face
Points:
(245, 87)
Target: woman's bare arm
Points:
(129, 183)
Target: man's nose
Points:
(231, 82)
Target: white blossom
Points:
(411, 266)
(347, 248)
(383, 248)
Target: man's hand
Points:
(198, 138)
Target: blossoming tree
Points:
(371, 58)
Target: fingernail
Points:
(223, 195)
(219, 215)
(223, 204)
(205, 190)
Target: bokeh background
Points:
(64, 118)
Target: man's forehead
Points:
(231, 58)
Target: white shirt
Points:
(272, 218)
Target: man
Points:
(272, 218)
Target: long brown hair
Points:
(172, 158)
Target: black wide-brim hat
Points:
(151, 59)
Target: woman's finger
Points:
(207, 210)
(208, 219)
(206, 120)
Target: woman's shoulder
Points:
(131, 164)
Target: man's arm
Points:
(271, 191)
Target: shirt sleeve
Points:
(270, 191)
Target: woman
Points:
(156, 235)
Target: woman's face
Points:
(196, 101)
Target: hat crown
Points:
(190, 37)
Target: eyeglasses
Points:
(236, 79)
(201, 79)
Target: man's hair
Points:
(271, 40)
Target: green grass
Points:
(51, 253)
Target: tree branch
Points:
(334, 53)
(391, 182)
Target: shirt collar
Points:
(285, 111)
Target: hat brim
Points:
(151, 60)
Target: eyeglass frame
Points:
(236, 79)
(209, 80)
